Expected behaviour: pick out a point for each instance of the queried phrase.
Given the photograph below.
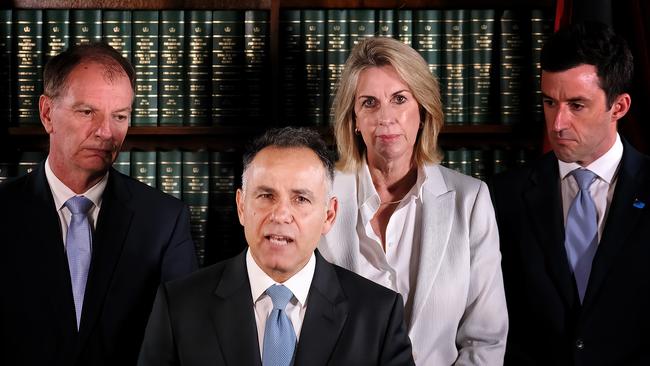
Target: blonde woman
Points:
(408, 223)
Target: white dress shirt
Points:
(397, 267)
(601, 190)
(299, 285)
(61, 194)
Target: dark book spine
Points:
(117, 31)
(5, 173)
(315, 76)
(291, 67)
(28, 161)
(6, 74)
(171, 76)
(499, 161)
(257, 67)
(123, 163)
(362, 25)
(143, 167)
(196, 177)
(199, 68)
(541, 30)
(427, 38)
(478, 164)
(454, 74)
(28, 53)
(405, 26)
(387, 23)
(512, 58)
(338, 48)
(145, 62)
(86, 26)
(169, 172)
(56, 32)
(481, 40)
(460, 160)
(227, 66)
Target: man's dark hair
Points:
(290, 137)
(596, 44)
(57, 70)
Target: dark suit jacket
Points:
(208, 319)
(548, 326)
(142, 237)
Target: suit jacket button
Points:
(580, 344)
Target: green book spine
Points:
(427, 38)
(499, 161)
(199, 67)
(29, 160)
(196, 180)
(171, 76)
(541, 30)
(5, 173)
(405, 26)
(338, 48)
(28, 53)
(362, 25)
(460, 160)
(314, 45)
(86, 26)
(386, 23)
(522, 156)
(227, 66)
(452, 160)
(117, 31)
(478, 164)
(143, 167)
(257, 68)
(291, 67)
(169, 172)
(123, 163)
(224, 230)
(145, 62)
(56, 32)
(481, 40)
(511, 62)
(454, 74)
(6, 74)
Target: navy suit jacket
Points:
(548, 325)
(208, 319)
(142, 237)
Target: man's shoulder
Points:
(520, 175)
(201, 281)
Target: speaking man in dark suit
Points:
(279, 303)
(575, 225)
(84, 247)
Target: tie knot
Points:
(79, 205)
(280, 296)
(584, 178)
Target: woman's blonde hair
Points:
(414, 71)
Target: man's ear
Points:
(620, 106)
(330, 218)
(239, 199)
(45, 106)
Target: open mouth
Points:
(279, 240)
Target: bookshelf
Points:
(230, 138)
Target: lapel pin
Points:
(638, 204)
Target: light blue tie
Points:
(78, 249)
(581, 240)
(279, 337)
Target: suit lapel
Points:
(632, 185)
(327, 311)
(233, 315)
(543, 205)
(113, 225)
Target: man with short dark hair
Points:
(574, 226)
(84, 247)
(279, 302)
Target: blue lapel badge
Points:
(638, 204)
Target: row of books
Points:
(204, 67)
(484, 163)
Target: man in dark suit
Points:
(227, 313)
(84, 248)
(575, 226)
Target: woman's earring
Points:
(357, 132)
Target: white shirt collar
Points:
(299, 283)
(605, 166)
(61, 193)
(368, 193)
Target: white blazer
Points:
(459, 312)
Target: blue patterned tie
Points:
(581, 240)
(78, 248)
(279, 337)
